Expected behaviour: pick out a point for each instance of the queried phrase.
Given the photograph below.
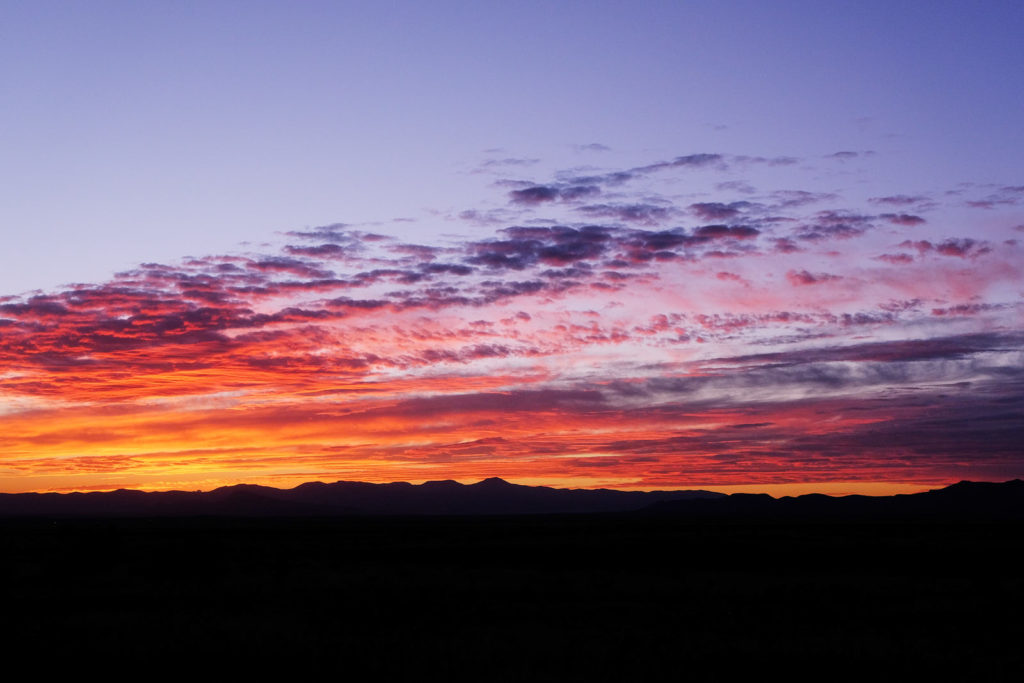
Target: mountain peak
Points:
(493, 482)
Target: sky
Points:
(723, 245)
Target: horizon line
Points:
(776, 490)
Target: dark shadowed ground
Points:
(516, 598)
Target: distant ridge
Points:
(965, 501)
(494, 496)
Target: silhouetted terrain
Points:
(488, 497)
(670, 592)
(525, 598)
(965, 500)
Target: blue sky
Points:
(146, 131)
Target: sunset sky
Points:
(722, 245)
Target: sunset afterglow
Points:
(771, 307)
(760, 339)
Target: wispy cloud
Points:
(633, 339)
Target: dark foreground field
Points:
(524, 598)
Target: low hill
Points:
(962, 501)
(492, 496)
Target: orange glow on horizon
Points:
(598, 356)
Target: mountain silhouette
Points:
(965, 500)
(495, 496)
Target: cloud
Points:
(900, 200)
(791, 199)
(803, 277)
(903, 219)
(735, 186)
(962, 248)
(726, 276)
(940, 348)
(513, 401)
(534, 195)
(616, 178)
(325, 251)
(336, 232)
(966, 309)
(1008, 195)
(739, 232)
(770, 161)
(292, 266)
(717, 211)
(567, 335)
(647, 214)
(485, 218)
(539, 194)
(35, 308)
(577, 192)
(785, 245)
(828, 225)
(896, 259)
(528, 246)
(702, 160)
(508, 161)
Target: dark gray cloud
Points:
(903, 219)
(717, 211)
(577, 192)
(702, 160)
(326, 251)
(646, 214)
(828, 225)
(962, 248)
(957, 347)
(536, 194)
(739, 232)
(615, 178)
(527, 246)
(539, 194)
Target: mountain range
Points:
(494, 496)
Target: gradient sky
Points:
(716, 245)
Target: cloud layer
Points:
(606, 333)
